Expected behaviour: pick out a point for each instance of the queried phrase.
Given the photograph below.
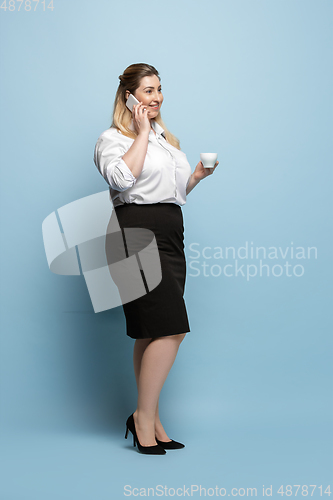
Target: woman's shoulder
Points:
(111, 133)
(113, 136)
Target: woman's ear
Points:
(127, 93)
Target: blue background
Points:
(250, 392)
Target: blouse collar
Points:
(158, 129)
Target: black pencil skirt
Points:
(161, 311)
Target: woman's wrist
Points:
(195, 178)
(144, 133)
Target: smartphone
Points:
(130, 101)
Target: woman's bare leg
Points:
(139, 348)
(157, 357)
(159, 429)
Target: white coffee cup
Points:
(208, 159)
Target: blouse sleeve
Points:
(188, 180)
(108, 159)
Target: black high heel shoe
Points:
(147, 450)
(169, 445)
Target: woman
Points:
(149, 177)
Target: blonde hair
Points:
(122, 117)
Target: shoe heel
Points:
(126, 434)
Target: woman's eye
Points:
(150, 91)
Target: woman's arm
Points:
(135, 156)
(199, 173)
(192, 183)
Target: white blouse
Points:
(164, 176)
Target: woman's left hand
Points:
(200, 172)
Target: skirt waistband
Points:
(159, 204)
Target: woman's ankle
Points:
(145, 428)
(143, 418)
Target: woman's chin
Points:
(152, 114)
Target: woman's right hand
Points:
(140, 118)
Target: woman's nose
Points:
(157, 97)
